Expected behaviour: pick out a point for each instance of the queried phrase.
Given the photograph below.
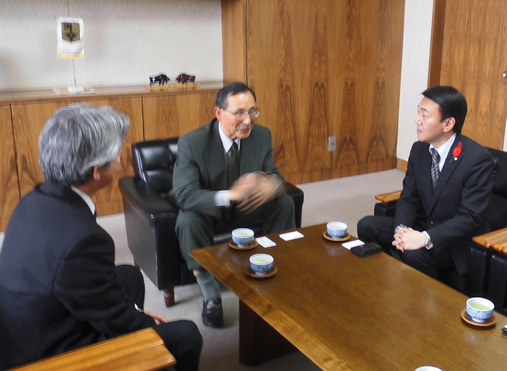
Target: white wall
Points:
(126, 41)
(414, 69)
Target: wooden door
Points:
(469, 52)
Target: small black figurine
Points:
(183, 78)
(161, 78)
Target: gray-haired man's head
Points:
(76, 139)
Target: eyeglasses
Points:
(241, 114)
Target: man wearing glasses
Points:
(225, 178)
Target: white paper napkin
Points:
(291, 235)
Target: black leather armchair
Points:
(150, 215)
(495, 214)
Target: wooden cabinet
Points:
(28, 120)
(153, 114)
(9, 190)
(320, 69)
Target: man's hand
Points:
(409, 239)
(156, 316)
(254, 189)
(243, 187)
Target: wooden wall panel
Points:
(233, 40)
(28, 120)
(174, 115)
(9, 190)
(323, 69)
(473, 58)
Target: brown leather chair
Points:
(151, 212)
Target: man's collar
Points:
(226, 141)
(85, 198)
(444, 149)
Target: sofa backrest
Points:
(153, 162)
(496, 212)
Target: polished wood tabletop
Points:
(345, 312)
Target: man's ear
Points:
(96, 172)
(449, 124)
(218, 113)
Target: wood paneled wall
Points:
(9, 190)
(177, 114)
(320, 69)
(469, 49)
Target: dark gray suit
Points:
(201, 171)
(450, 212)
(60, 289)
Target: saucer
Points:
(489, 322)
(252, 245)
(250, 272)
(344, 238)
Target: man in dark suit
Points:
(59, 287)
(445, 191)
(225, 177)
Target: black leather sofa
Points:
(487, 272)
(150, 215)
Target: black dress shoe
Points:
(212, 313)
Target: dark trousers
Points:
(380, 229)
(196, 230)
(182, 338)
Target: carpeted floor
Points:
(346, 199)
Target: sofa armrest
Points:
(496, 240)
(140, 350)
(144, 200)
(150, 220)
(298, 196)
(388, 197)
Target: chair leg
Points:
(169, 297)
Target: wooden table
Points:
(350, 313)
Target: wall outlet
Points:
(331, 144)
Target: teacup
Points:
(336, 229)
(480, 309)
(242, 237)
(261, 264)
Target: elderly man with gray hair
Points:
(59, 287)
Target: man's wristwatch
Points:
(429, 244)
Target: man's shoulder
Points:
(63, 206)
(473, 149)
(471, 143)
(262, 130)
(201, 132)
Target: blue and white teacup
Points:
(261, 264)
(242, 237)
(336, 229)
(480, 309)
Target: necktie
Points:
(233, 163)
(435, 170)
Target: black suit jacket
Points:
(58, 286)
(200, 170)
(453, 209)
